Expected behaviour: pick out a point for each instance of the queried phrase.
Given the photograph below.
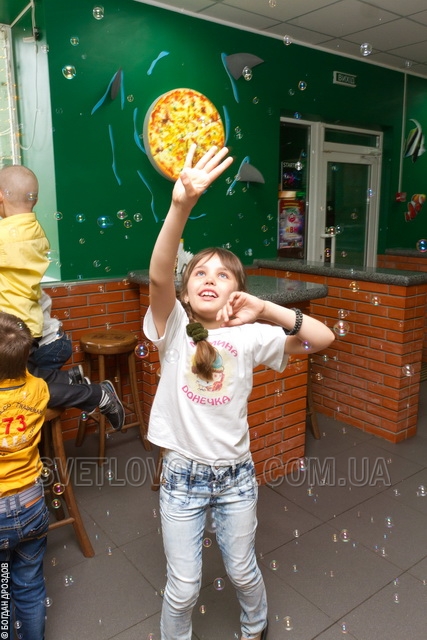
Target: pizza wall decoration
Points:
(173, 122)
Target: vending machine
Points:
(292, 196)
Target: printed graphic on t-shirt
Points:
(18, 422)
(218, 390)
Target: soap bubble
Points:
(98, 12)
(69, 71)
(288, 623)
(255, 100)
(272, 3)
(58, 488)
(354, 286)
(375, 300)
(344, 535)
(82, 240)
(422, 491)
(274, 565)
(56, 504)
(389, 522)
(109, 475)
(297, 115)
(80, 217)
(287, 40)
(127, 224)
(96, 263)
(141, 350)
(122, 214)
(218, 584)
(354, 215)
(366, 49)
(421, 245)
(342, 313)
(52, 255)
(302, 85)
(104, 222)
(48, 602)
(408, 370)
(172, 356)
(202, 609)
(68, 581)
(137, 217)
(247, 73)
(74, 41)
(341, 328)
(207, 542)
(58, 215)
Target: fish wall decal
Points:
(414, 146)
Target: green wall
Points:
(131, 36)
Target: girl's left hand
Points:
(241, 308)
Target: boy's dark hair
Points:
(15, 344)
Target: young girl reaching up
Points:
(209, 342)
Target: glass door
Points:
(350, 195)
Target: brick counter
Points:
(363, 379)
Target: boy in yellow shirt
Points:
(23, 262)
(24, 516)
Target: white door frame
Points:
(320, 152)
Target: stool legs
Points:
(64, 477)
(136, 403)
(136, 406)
(311, 414)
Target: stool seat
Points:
(115, 343)
(108, 342)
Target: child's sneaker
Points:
(111, 406)
(76, 375)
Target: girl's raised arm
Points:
(192, 182)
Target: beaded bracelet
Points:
(298, 323)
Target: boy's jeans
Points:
(187, 490)
(23, 544)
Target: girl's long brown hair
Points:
(206, 354)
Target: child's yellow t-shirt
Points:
(22, 409)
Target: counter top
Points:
(410, 253)
(368, 274)
(279, 290)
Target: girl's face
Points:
(208, 288)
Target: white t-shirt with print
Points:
(207, 421)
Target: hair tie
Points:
(197, 331)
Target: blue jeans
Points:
(187, 490)
(23, 543)
(52, 355)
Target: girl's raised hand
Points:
(193, 181)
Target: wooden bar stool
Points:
(113, 343)
(53, 449)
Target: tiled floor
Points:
(342, 545)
